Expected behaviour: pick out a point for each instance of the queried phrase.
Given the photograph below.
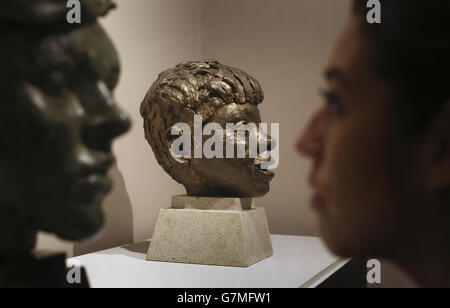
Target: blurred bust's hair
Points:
(49, 13)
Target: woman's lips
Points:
(317, 201)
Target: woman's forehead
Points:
(351, 57)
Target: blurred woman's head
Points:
(380, 144)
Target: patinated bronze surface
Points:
(57, 123)
(50, 12)
(220, 94)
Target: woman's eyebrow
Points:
(335, 74)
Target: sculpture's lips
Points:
(266, 174)
(264, 158)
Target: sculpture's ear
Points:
(179, 143)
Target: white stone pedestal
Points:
(212, 231)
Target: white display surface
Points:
(297, 262)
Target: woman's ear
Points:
(439, 175)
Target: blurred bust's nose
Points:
(107, 122)
(100, 131)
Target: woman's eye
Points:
(333, 101)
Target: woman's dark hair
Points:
(412, 54)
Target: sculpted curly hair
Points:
(192, 88)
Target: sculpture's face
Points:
(233, 176)
(222, 96)
(59, 129)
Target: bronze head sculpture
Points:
(50, 12)
(220, 94)
(57, 123)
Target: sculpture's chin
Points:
(261, 190)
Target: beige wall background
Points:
(283, 43)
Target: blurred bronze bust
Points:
(219, 94)
(50, 12)
(57, 123)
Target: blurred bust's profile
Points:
(57, 124)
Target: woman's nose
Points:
(310, 141)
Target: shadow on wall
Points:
(118, 229)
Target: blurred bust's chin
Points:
(78, 223)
